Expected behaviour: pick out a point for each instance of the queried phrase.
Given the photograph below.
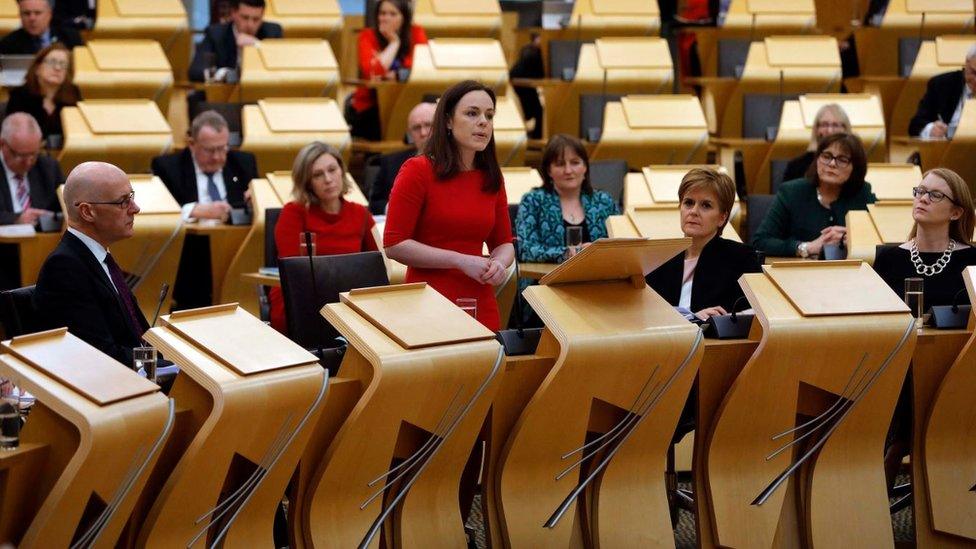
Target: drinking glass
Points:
(144, 358)
(574, 241)
(468, 305)
(302, 246)
(913, 298)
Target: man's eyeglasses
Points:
(17, 155)
(214, 151)
(839, 161)
(123, 203)
(934, 196)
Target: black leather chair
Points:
(591, 114)
(270, 246)
(512, 214)
(563, 56)
(333, 274)
(757, 205)
(732, 53)
(17, 312)
(776, 170)
(608, 176)
(907, 52)
(760, 114)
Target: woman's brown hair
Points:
(67, 93)
(852, 146)
(555, 150)
(301, 171)
(715, 182)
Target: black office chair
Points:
(777, 168)
(760, 114)
(732, 53)
(371, 172)
(231, 113)
(591, 114)
(757, 205)
(17, 312)
(270, 246)
(907, 52)
(563, 56)
(333, 274)
(608, 176)
(512, 214)
(529, 12)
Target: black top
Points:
(389, 167)
(20, 42)
(22, 100)
(74, 291)
(582, 225)
(716, 278)
(894, 264)
(219, 42)
(43, 180)
(941, 98)
(177, 172)
(797, 167)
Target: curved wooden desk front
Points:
(164, 21)
(32, 250)
(653, 129)
(288, 67)
(92, 437)
(428, 374)
(250, 255)
(124, 69)
(450, 18)
(836, 343)
(276, 129)
(253, 398)
(948, 451)
(626, 361)
(126, 132)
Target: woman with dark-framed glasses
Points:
(809, 213)
(939, 245)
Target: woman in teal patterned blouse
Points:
(566, 199)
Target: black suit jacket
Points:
(941, 99)
(22, 100)
(66, 11)
(219, 40)
(176, 171)
(716, 280)
(43, 178)
(74, 291)
(379, 192)
(19, 42)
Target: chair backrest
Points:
(529, 12)
(17, 312)
(777, 168)
(907, 52)
(231, 113)
(592, 106)
(758, 205)
(608, 176)
(732, 53)
(333, 274)
(761, 113)
(563, 56)
(270, 247)
(370, 173)
(512, 214)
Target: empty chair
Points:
(592, 107)
(563, 55)
(758, 205)
(608, 176)
(334, 274)
(732, 57)
(777, 168)
(761, 113)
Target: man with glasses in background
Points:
(36, 31)
(940, 109)
(80, 285)
(30, 179)
(208, 180)
(419, 123)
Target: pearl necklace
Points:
(935, 268)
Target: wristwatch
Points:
(803, 249)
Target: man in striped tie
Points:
(29, 178)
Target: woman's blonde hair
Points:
(301, 171)
(713, 181)
(838, 112)
(960, 230)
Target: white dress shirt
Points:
(97, 250)
(953, 122)
(203, 196)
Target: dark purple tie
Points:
(118, 278)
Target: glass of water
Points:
(468, 305)
(914, 298)
(144, 358)
(574, 241)
(303, 243)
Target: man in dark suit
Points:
(222, 42)
(419, 122)
(36, 31)
(28, 190)
(78, 14)
(941, 107)
(207, 179)
(80, 285)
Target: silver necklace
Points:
(935, 268)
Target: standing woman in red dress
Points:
(450, 200)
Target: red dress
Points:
(346, 232)
(454, 214)
(369, 46)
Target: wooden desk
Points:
(126, 132)
(893, 181)
(511, 138)
(654, 129)
(124, 69)
(450, 18)
(519, 181)
(536, 271)
(9, 18)
(225, 241)
(289, 67)
(276, 129)
(32, 251)
(935, 56)
(593, 19)
(250, 253)
(164, 21)
(305, 19)
(261, 279)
